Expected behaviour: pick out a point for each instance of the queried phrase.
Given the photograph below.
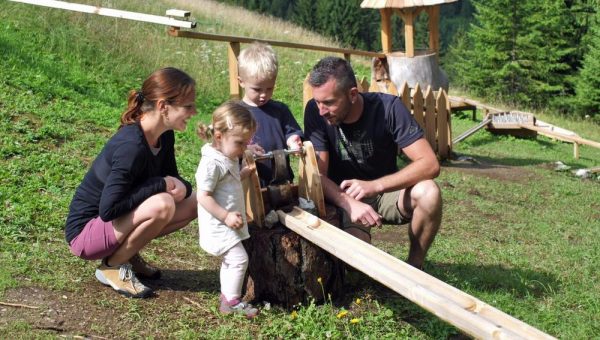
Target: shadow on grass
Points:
(186, 281)
(484, 162)
(516, 283)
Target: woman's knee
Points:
(162, 206)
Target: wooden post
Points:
(443, 139)
(386, 30)
(408, 16)
(306, 91)
(434, 30)
(576, 150)
(232, 55)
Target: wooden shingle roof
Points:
(402, 3)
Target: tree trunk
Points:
(285, 269)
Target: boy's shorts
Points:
(385, 204)
(96, 241)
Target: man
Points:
(357, 138)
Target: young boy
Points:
(277, 127)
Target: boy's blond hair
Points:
(258, 61)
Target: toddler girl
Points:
(221, 208)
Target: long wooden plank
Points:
(573, 139)
(115, 13)
(450, 304)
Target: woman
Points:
(133, 193)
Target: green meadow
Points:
(516, 233)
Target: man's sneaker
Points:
(122, 279)
(237, 306)
(143, 269)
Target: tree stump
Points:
(285, 269)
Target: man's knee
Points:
(427, 193)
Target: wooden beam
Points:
(386, 30)
(233, 51)
(448, 303)
(408, 16)
(567, 138)
(154, 19)
(434, 28)
(246, 40)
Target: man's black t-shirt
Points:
(366, 149)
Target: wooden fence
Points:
(431, 110)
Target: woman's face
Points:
(179, 113)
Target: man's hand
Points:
(358, 189)
(364, 214)
(234, 220)
(176, 188)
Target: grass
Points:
(515, 233)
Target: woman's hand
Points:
(176, 188)
(234, 220)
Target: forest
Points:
(536, 54)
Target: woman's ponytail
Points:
(134, 108)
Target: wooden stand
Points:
(284, 268)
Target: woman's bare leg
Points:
(142, 225)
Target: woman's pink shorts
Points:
(96, 241)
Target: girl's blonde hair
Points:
(228, 116)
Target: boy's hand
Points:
(256, 149)
(234, 220)
(294, 142)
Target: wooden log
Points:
(450, 304)
(284, 268)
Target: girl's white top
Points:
(220, 175)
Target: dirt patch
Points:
(498, 172)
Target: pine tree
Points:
(305, 14)
(515, 51)
(588, 82)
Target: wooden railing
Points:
(234, 51)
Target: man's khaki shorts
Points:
(385, 204)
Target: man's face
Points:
(334, 104)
